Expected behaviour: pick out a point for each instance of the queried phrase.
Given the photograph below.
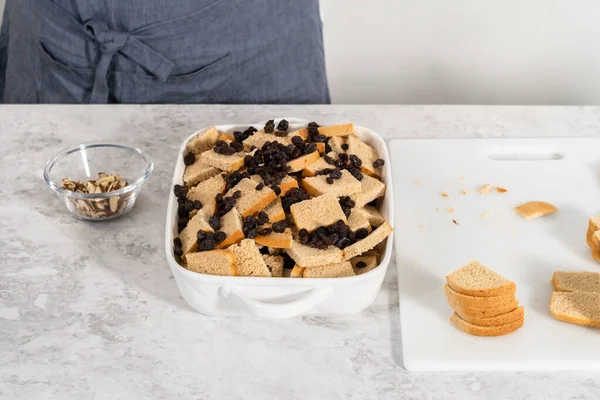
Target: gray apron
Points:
(160, 51)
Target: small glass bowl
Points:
(84, 162)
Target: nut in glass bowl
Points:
(78, 176)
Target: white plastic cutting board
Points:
(564, 172)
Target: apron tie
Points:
(111, 42)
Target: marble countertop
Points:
(91, 311)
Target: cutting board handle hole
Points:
(526, 156)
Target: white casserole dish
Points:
(238, 296)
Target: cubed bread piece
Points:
(474, 279)
(372, 214)
(260, 138)
(286, 184)
(311, 257)
(275, 264)
(231, 224)
(596, 246)
(206, 192)
(347, 185)
(224, 162)
(188, 235)
(275, 211)
(593, 227)
(374, 238)
(337, 130)
(371, 189)
(321, 147)
(251, 201)
(227, 136)
(363, 264)
(319, 165)
(203, 141)
(213, 262)
(336, 143)
(303, 133)
(198, 172)
(301, 162)
(570, 281)
(339, 270)
(477, 330)
(248, 259)
(319, 211)
(276, 240)
(367, 155)
(357, 221)
(297, 272)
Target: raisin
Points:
(343, 157)
(189, 206)
(288, 262)
(236, 146)
(215, 222)
(189, 158)
(378, 163)
(207, 244)
(360, 264)
(260, 186)
(347, 212)
(265, 231)
(281, 133)
(320, 138)
(263, 218)
(361, 233)
(270, 126)
(283, 125)
(197, 204)
(180, 191)
(276, 189)
(237, 194)
(313, 125)
(303, 233)
(328, 159)
(181, 224)
(336, 174)
(201, 235)
(177, 242)
(280, 226)
(178, 251)
(329, 180)
(219, 236)
(343, 243)
(345, 146)
(311, 148)
(355, 160)
(264, 250)
(298, 141)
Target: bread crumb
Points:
(501, 190)
(437, 209)
(483, 215)
(422, 226)
(451, 210)
(485, 189)
(465, 191)
(444, 194)
(418, 182)
(455, 223)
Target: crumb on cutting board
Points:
(455, 222)
(535, 209)
(501, 190)
(465, 191)
(451, 210)
(485, 189)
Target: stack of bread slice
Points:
(576, 298)
(483, 301)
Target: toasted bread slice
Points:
(276, 240)
(224, 162)
(231, 224)
(302, 162)
(567, 281)
(483, 312)
(371, 189)
(364, 264)
(502, 319)
(580, 308)
(319, 165)
(297, 272)
(303, 133)
(198, 172)
(535, 209)
(319, 211)
(287, 183)
(259, 138)
(476, 330)
(188, 236)
(251, 200)
(336, 142)
(337, 130)
(345, 186)
(474, 279)
(357, 221)
(475, 302)
(374, 238)
(374, 216)
(248, 259)
(329, 271)
(275, 211)
(593, 227)
(203, 141)
(311, 257)
(275, 264)
(206, 192)
(366, 154)
(214, 262)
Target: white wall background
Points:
(462, 51)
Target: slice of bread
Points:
(276, 240)
(213, 262)
(287, 183)
(198, 172)
(260, 138)
(319, 211)
(371, 213)
(370, 263)
(206, 192)
(476, 330)
(535, 209)
(310, 257)
(503, 319)
(251, 200)
(231, 224)
(297, 272)
(484, 312)
(336, 143)
(367, 155)
(248, 259)
(319, 165)
(374, 238)
(474, 279)
(593, 227)
(224, 162)
(371, 189)
(303, 133)
(475, 302)
(345, 186)
(337, 130)
(580, 308)
(567, 281)
(357, 221)
(203, 141)
(596, 246)
(302, 162)
(275, 211)
(329, 271)
(275, 264)
(188, 236)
